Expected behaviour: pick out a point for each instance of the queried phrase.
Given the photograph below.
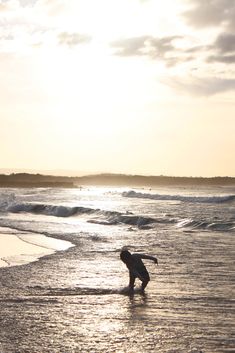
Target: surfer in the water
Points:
(136, 267)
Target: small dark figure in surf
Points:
(136, 267)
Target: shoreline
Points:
(20, 249)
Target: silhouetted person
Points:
(136, 267)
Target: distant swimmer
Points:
(136, 267)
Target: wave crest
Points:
(49, 210)
(206, 225)
(100, 216)
(202, 199)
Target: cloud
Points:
(6, 37)
(5, 4)
(224, 49)
(72, 39)
(225, 59)
(152, 47)
(206, 86)
(21, 26)
(52, 8)
(131, 46)
(9, 5)
(208, 13)
(225, 43)
(25, 3)
(28, 24)
(174, 50)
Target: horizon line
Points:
(81, 174)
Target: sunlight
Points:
(102, 19)
(95, 94)
(90, 104)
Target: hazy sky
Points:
(129, 86)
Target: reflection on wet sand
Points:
(75, 300)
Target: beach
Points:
(75, 299)
(18, 249)
(117, 133)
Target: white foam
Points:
(203, 199)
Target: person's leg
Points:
(131, 281)
(144, 283)
(145, 279)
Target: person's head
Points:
(125, 256)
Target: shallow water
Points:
(75, 300)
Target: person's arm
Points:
(148, 257)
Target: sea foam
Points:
(160, 197)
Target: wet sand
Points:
(72, 301)
(19, 249)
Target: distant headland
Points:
(40, 180)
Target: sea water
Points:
(77, 301)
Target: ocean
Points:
(76, 299)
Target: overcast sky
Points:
(126, 86)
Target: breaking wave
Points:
(99, 216)
(205, 225)
(49, 210)
(202, 199)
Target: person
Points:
(136, 267)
